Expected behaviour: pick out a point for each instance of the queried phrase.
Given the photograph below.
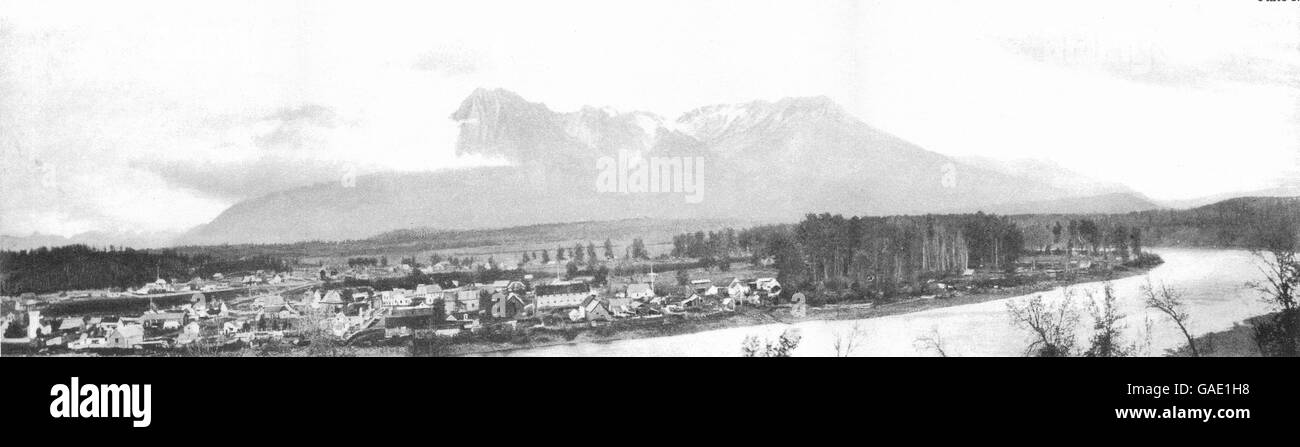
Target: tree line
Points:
(884, 253)
(1234, 223)
(75, 267)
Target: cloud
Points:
(448, 61)
(295, 128)
(1151, 63)
(289, 147)
(236, 180)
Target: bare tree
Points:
(1280, 265)
(848, 341)
(931, 342)
(782, 347)
(1170, 302)
(1281, 269)
(1053, 326)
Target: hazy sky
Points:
(144, 116)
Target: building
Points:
(159, 286)
(701, 286)
(640, 291)
(164, 320)
(126, 336)
(70, 325)
(395, 297)
(736, 288)
(332, 301)
(561, 294)
(593, 309)
(109, 324)
(622, 306)
(767, 285)
(458, 300)
(507, 305)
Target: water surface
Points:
(1212, 282)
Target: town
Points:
(724, 278)
(282, 307)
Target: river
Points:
(1212, 283)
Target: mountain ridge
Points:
(766, 161)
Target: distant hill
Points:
(1283, 191)
(421, 241)
(763, 161)
(1101, 204)
(1243, 222)
(95, 239)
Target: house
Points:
(640, 291)
(561, 294)
(108, 324)
(507, 305)
(88, 342)
(765, 287)
(126, 336)
(593, 309)
(395, 297)
(461, 299)
(159, 286)
(622, 306)
(71, 324)
(701, 286)
(332, 298)
(737, 288)
(165, 320)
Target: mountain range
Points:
(762, 161)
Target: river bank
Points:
(751, 316)
(1237, 341)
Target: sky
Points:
(156, 116)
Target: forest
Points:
(81, 267)
(883, 252)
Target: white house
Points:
(640, 291)
(126, 336)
